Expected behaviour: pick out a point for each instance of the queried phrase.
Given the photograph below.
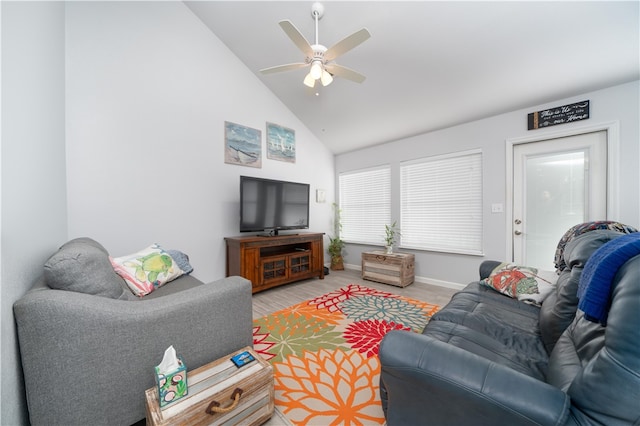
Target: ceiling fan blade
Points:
(296, 36)
(281, 68)
(346, 44)
(345, 72)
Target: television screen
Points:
(267, 204)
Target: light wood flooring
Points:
(277, 298)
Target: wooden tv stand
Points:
(272, 261)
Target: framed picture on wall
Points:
(281, 143)
(243, 145)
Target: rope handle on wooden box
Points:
(215, 408)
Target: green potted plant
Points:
(335, 250)
(336, 244)
(391, 233)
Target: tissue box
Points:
(216, 385)
(172, 386)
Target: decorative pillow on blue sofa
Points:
(524, 283)
(147, 269)
(82, 265)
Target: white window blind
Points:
(441, 203)
(365, 204)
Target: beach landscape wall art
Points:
(243, 145)
(281, 143)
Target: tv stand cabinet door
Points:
(318, 257)
(251, 266)
(245, 262)
(300, 265)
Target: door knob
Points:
(518, 221)
(518, 232)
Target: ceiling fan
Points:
(318, 58)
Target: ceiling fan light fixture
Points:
(316, 70)
(317, 56)
(326, 78)
(309, 81)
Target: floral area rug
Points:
(324, 352)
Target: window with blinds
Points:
(441, 203)
(365, 204)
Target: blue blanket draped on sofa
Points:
(594, 290)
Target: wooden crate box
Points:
(212, 395)
(395, 269)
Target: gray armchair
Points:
(87, 359)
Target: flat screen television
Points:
(273, 205)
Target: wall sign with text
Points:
(558, 115)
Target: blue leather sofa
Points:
(488, 359)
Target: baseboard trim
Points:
(425, 280)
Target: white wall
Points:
(148, 90)
(619, 103)
(33, 169)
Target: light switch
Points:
(497, 208)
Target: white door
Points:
(557, 183)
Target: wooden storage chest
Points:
(395, 269)
(216, 385)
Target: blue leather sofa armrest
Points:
(424, 380)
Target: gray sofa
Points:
(488, 359)
(89, 350)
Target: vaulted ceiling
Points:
(431, 65)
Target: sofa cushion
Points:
(82, 265)
(147, 269)
(494, 326)
(491, 307)
(599, 366)
(481, 292)
(185, 282)
(581, 341)
(559, 308)
(524, 355)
